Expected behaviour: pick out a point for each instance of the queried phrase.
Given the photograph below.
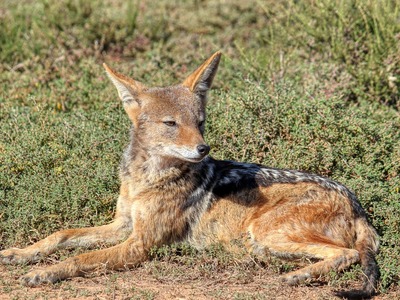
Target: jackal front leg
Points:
(86, 237)
(122, 256)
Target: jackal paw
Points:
(17, 256)
(37, 277)
(295, 278)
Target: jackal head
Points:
(169, 121)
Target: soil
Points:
(168, 280)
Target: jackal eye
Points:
(201, 123)
(170, 123)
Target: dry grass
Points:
(180, 272)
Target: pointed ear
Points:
(199, 82)
(128, 89)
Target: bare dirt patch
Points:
(169, 280)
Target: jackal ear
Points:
(128, 89)
(199, 82)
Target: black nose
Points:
(203, 149)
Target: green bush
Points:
(361, 39)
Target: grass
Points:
(310, 85)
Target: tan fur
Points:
(159, 175)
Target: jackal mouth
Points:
(195, 160)
(187, 155)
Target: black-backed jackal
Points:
(171, 190)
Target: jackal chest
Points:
(161, 215)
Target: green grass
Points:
(310, 85)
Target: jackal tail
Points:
(367, 245)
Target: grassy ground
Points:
(310, 85)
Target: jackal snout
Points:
(194, 153)
(188, 144)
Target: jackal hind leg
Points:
(121, 256)
(330, 257)
(82, 237)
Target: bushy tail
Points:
(367, 245)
